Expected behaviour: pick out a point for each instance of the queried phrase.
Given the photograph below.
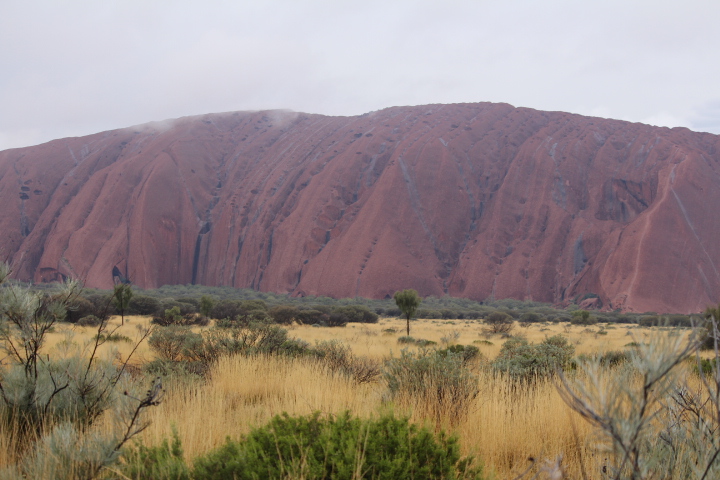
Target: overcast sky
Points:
(71, 68)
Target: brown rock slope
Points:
(467, 200)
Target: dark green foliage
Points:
(205, 305)
(499, 322)
(531, 317)
(468, 353)
(103, 304)
(308, 317)
(253, 309)
(113, 337)
(339, 447)
(707, 366)
(174, 316)
(285, 314)
(407, 301)
(122, 293)
(356, 313)
(161, 462)
(170, 303)
(582, 317)
(78, 308)
(143, 305)
(405, 339)
(89, 321)
(426, 313)
(527, 361)
(611, 358)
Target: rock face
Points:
(471, 200)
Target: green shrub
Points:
(284, 314)
(406, 339)
(354, 313)
(89, 321)
(143, 305)
(311, 316)
(340, 447)
(582, 317)
(531, 317)
(526, 361)
(468, 353)
(439, 385)
(79, 308)
(161, 462)
(611, 358)
(421, 342)
(499, 322)
(113, 337)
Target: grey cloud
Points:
(78, 67)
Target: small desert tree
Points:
(121, 297)
(206, 306)
(407, 301)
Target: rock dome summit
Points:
(469, 200)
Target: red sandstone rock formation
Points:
(473, 200)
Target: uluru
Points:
(477, 200)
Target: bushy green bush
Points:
(161, 462)
(283, 314)
(355, 313)
(143, 305)
(527, 361)
(468, 353)
(252, 309)
(582, 317)
(499, 322)
(339, 447)
(439, 385)
(531, 317)
(78, 308)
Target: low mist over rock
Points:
(470, 200)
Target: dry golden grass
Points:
(505, 424)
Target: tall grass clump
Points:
(439, 386)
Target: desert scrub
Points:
(51, 401)
(160, 462)
(654, 420)
(438, 385)
(339, 359)
(526, 361)
(338, 447)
